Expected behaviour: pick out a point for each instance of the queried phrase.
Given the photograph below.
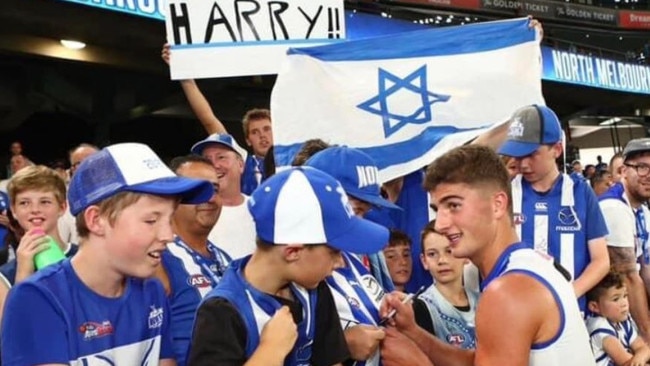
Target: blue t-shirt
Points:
(191, 277)
(414, 201)
(52, 317)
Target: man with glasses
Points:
(555, 213)
(626, 218)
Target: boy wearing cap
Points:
(627, 220)
(360, 284)
(99, 307)
(554, 213)
(303, 221)
(235, 230)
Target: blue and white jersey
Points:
(191, 277)
(570, 346)
(559, 222)
(450, 324)
(53, 318)
(357, 295)
(599, 328)
(256, 309)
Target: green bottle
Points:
(51, 255)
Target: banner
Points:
(523, 7)
(463, 4)
(407, 98)
(590, 14)
(245, 37)
(583, 69)
(634, 19)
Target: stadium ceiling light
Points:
(73, 45)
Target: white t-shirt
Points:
(621, 224)
(600, 328)
(67, 225)
(234, 233)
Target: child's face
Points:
(37, 209)
(399, 262)
(439, 261)
(612, 304)
(134, 243)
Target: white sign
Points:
(213, 38)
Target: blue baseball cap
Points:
(303, 205)
(130, 167)
(223, 139)
(356, 171)
(531, 127)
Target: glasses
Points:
(641, 169)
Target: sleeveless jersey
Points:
(256, 309)
(450, 324)
(357, 295)
(52, 317)
(191, 277)
(599, 328)
(571, 345)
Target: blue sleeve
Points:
(34, 329)
(596, 226)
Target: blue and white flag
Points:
(406, 98)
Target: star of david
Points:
(389, 84)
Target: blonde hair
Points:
(37, 178)
(109, 207)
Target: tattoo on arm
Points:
(623, 260)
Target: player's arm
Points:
(167, 362)
(623, 261)
(596, 269)
(199, 104)
(516, 312)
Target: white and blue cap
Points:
(303, 205)
(223, 139)
(356, 170)
(130, 167)
(531, 127)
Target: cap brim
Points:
(201, 145)
(374, 200)
(518, 149)
(191, 191)
(361, 237)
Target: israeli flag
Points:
(406, 98)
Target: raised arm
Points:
(197, 100)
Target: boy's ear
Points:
(64, 207)
(424, 263)
(593, 307)
(95, 223)
(292, 252)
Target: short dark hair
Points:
(398, 237)
(176, 162)
(308, 149)
(598, 177)
(612, 279)
(475, 165)
(429, 228)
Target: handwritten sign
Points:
(213, 38)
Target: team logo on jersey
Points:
(92, 330)
(373, 288)
(519, 218)
(456, 339)
(155, 317)
(541, 206)
(199, 281)
(353, 302)
(568, 219)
